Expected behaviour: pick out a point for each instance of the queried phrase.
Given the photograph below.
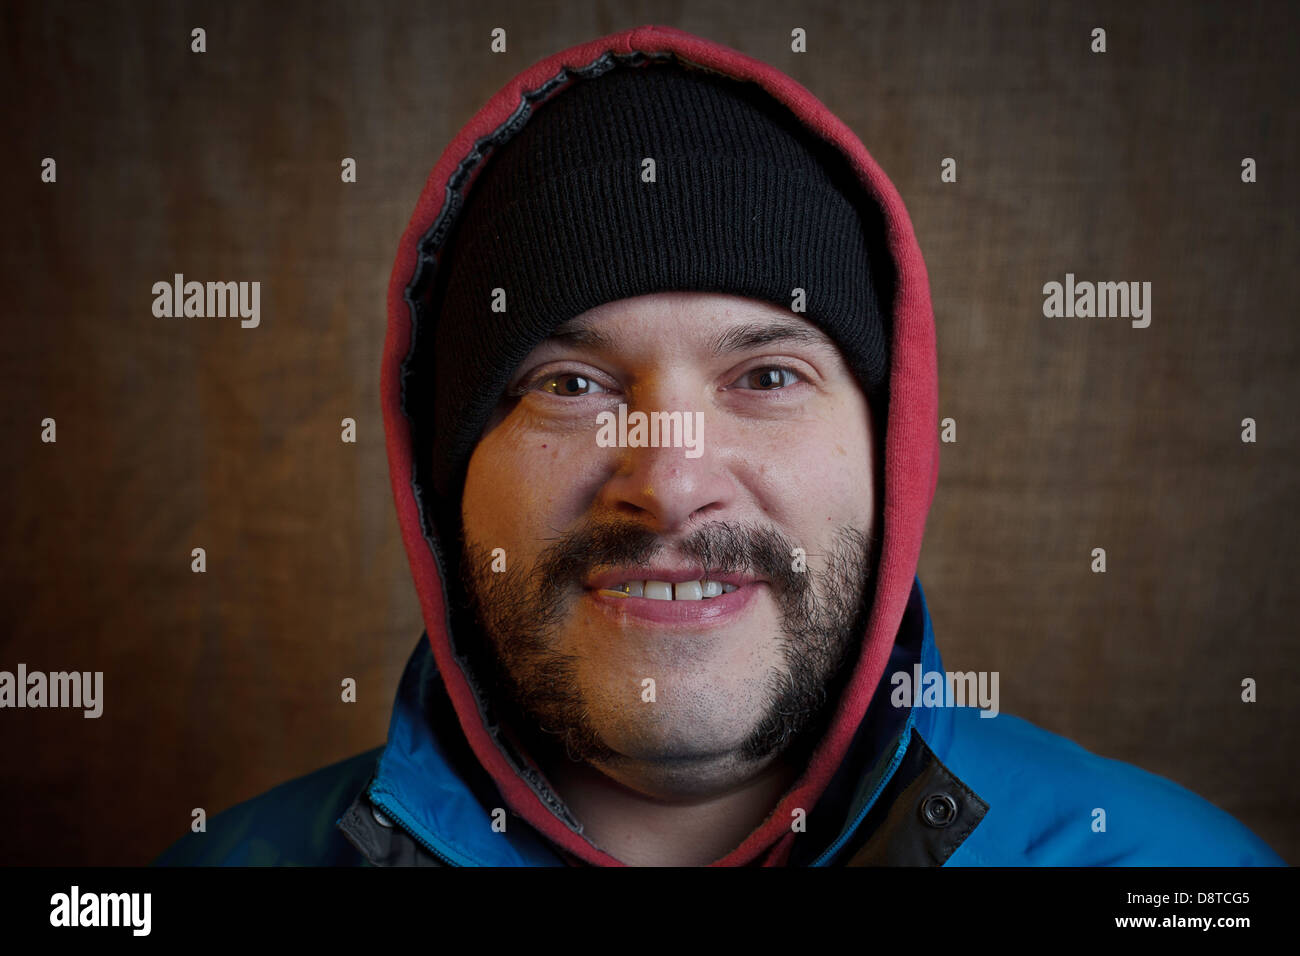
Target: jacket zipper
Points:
(888, 775)
(399, 820)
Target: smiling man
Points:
(666, 635)
(645, 650)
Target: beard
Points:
(521, 612)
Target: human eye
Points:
(566, 383)
(768, 378)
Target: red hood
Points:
(911, 457)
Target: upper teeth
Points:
(663, 591)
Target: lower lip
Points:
(722, 609)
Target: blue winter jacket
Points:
(1023, 797)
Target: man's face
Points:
(697, 694)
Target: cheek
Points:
(519, 484)
(817, 475)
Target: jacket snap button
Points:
(382, 820)
(938, 809)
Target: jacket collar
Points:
(895, 747)
(430, 800)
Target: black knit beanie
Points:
(562, 218)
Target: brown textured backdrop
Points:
(1072, 434)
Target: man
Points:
(660, 394)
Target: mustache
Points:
(719, 547)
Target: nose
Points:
(663, 487)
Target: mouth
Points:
(697, 590)
(661, 596)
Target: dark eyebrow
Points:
(742, 337)
(735, 339)
(582, 337)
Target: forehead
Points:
(719, 324)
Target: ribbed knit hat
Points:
(562, 218)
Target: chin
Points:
(675, 773)
(680, 740)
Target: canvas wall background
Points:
(1072, 434)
